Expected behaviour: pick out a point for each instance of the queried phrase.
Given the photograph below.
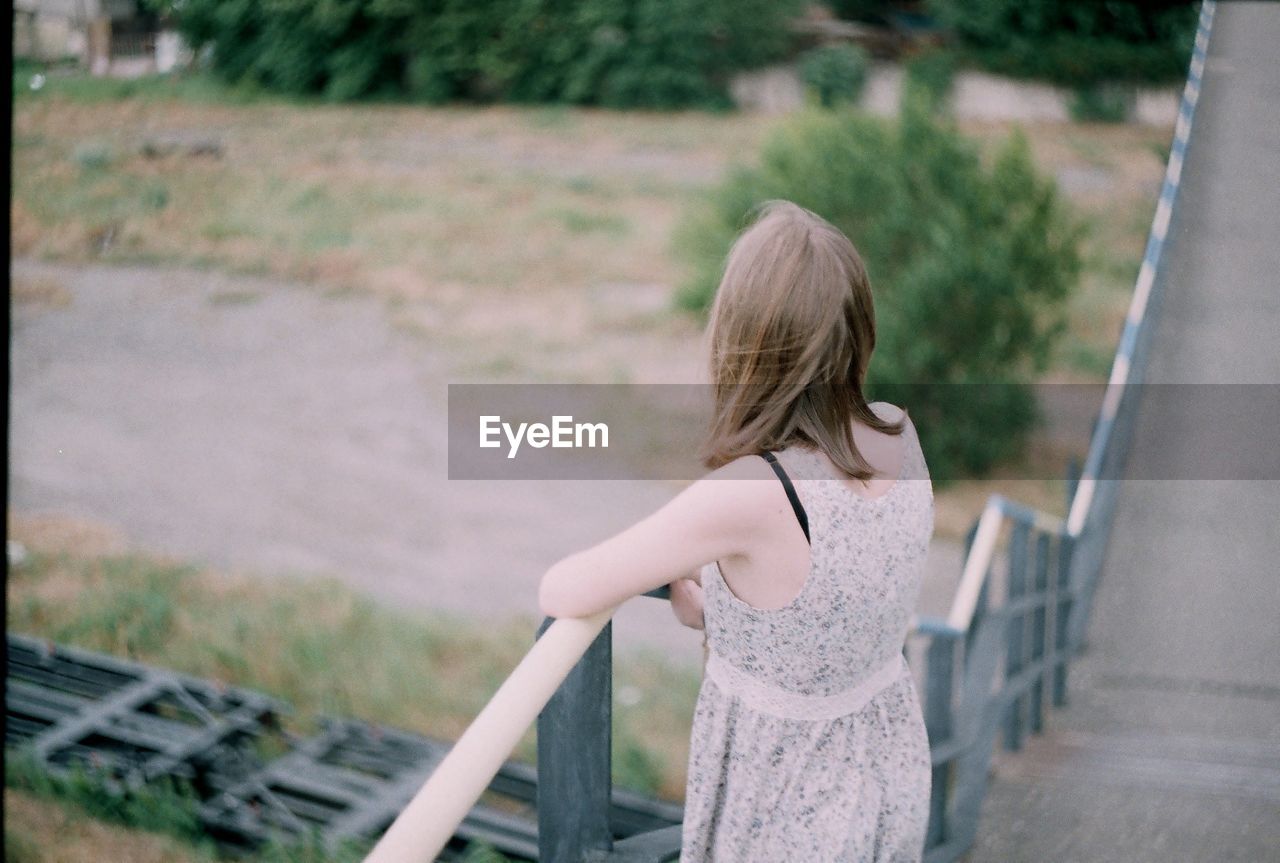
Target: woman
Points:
(802, 554)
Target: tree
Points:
(969, 264)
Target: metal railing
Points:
(991, 669)
(997, 661)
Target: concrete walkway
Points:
(1170, 747)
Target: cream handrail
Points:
(977, 563)
(976, 566)
(425, 826)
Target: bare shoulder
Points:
(739, 491)
(887, 411)
(747, 467)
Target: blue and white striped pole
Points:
(1121, 368)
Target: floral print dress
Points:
(808, 741)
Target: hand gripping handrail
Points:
(426, 825)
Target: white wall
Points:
(974, 96)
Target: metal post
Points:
(938, 709)
(1040, 632)
(574, 739)
(1073, 479)
(978, 722)
(1015, 647)
(1062, 600)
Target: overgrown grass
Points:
(328, 651)
(41, 829)
(162, 808)
(496, 199)
(482, 225)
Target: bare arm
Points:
(712, 519)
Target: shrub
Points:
(970, 264)
(933, 72)
(1074, 43)
(657, 53)
(835, 73)
(1102, 103)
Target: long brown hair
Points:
(791, 334)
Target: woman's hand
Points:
(686, 602)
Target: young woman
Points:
(801, 554)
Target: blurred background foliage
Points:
(933, 73)
(1074, 43)
(971, 263)
(617, 53)
(835, 73)
(650, 53)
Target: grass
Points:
(67, 81)
(474, 220)
(488, 231)
(76, 823)
(323, 648)
(43, 830)
(62, 815)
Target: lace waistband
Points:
(767, 698)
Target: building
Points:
(107, 37)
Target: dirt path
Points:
(267, 427)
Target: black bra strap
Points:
(790, 489)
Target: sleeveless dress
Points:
(808, 742)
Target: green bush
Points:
(622, 53)
(835, 73)
(1074, 43)
(969, 264)
(1101, 103)
(933, 72)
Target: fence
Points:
(991, 669)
